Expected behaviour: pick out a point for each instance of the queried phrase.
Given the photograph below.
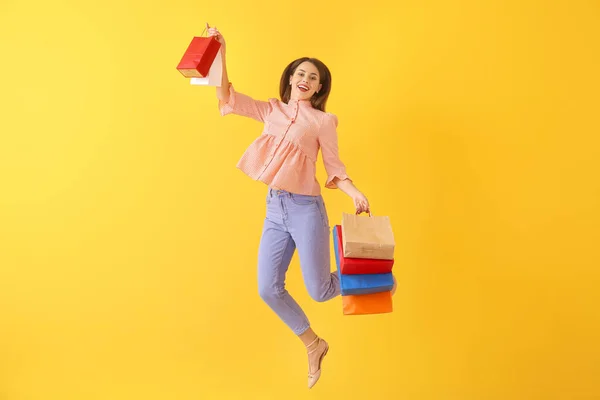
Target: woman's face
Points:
(305, 81)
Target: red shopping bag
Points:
(199, 57)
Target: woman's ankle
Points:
(309, 338)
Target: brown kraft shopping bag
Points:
(368, 237)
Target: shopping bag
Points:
(367, 237)
(376, 303)
(365, 283)
(353, 266)
(199, 57)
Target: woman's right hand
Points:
(215, 32)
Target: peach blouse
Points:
(284, 156)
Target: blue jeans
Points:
(293, 222)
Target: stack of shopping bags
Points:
(364, 253)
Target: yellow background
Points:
(128, 238)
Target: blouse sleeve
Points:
(329, 147)
(241, 104)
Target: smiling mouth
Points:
(303, 88)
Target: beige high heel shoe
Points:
(313, 378)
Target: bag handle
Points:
(204, 30)
(370, 214)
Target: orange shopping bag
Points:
(375, 303)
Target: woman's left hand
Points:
(361, 203)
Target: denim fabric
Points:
(295, 222)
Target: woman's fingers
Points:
(212, 31)
(362, 207)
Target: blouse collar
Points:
(302, 103)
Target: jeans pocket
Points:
(303, 200)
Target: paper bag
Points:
(199, 57)
(354, 266)
(367, 237)
(377, 303)
(215, 74)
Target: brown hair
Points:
(318, 100)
